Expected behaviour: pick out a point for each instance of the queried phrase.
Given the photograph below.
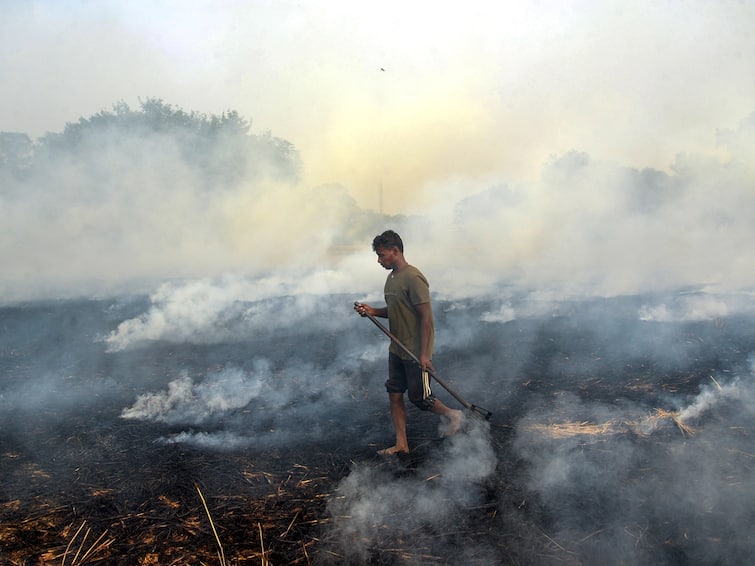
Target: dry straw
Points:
(221, 553)
(588, 428)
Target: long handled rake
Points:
(474, 409)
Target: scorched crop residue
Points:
(615, 438)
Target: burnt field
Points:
(621, 433)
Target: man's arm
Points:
(426, 329)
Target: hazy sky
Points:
(400, 93)
(596, 147)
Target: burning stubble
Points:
(612, 434)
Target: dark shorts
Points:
(406, 375)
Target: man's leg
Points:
(421, 395)
(453, 415)
(398, 414)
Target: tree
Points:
(219, 148)
(16, 153)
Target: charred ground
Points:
(583, 468)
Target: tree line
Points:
(219, 149)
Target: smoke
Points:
(213, 401)
(454, 138)
(131, 214)
(56, 392)
(265, 390)
(187, 402)
(466, 93)
(232, 308)
(716, 395)
(123, 221)
(697, 306)
(612, 474)
(375, 507)
(594, 228)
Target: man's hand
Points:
(364, 309)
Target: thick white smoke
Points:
(187, 402)
(583, 228)
(697, 306)
(214, 310)
(715, 395)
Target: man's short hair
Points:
(387, 239)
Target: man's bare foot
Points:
(454, 422)
(392, 450)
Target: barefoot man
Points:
(410, 317)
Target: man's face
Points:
(387, 257)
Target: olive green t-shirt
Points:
(404, 290)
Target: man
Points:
(410, 316)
